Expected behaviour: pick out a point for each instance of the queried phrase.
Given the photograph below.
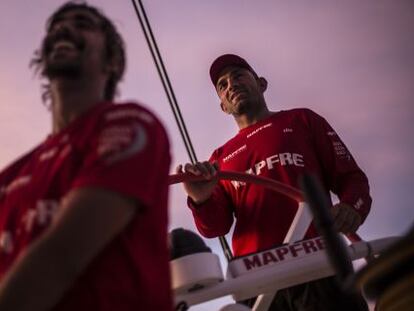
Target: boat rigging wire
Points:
(159, 64)
(152, 44)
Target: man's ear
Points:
(112, 68)
(223, 108)
(262, 84)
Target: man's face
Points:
(74, 46)
(238, 90)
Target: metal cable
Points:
(152, 44)
(142, 17)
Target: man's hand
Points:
(200, 191)
(345, 218)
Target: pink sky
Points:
(350, 61)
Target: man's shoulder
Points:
(301, 115)
(128, 110)
(130, 113)
(298, 112)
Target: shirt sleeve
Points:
(341, 173)
(213, 217)
(127, 152)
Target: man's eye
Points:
(237, 75)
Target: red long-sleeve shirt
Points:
(283, 147)
(122, 148)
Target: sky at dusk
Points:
(350, 61)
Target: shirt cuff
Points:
(196, 206)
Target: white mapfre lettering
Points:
(234, 153)
(41, 215)
(272, 160)
(282, 159)
(270, 163)
(258, 130)
(258, 166)
(17, 183)
(46, 155)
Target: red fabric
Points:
(119, 147)
(282, 147)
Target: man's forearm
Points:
(38, 279)
(87, 221)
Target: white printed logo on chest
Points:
(270, 163)
(117, 143)
(258, 130)
(234, 153)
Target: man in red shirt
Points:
(83, 216)
(279, 145)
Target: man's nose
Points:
(62, 27)
(233, 83)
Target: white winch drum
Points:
(195, 271)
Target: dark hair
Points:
(114, 47)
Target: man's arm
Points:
(342, 176)
(87, 220)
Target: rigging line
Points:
(168, 89)
(164, 78)
(149, 36)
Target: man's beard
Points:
(241, 107)
(70, 69)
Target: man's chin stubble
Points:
(68, 71)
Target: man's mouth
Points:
(63, 45)
(236, 94)
(62, 42)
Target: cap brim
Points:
(224, 61)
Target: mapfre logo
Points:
(234, 153)
(119, 142)
(280, 159)
(270, 163)
(258, 130)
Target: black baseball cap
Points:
(227, 60)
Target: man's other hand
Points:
(345, 218)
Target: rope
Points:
(269, 183)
